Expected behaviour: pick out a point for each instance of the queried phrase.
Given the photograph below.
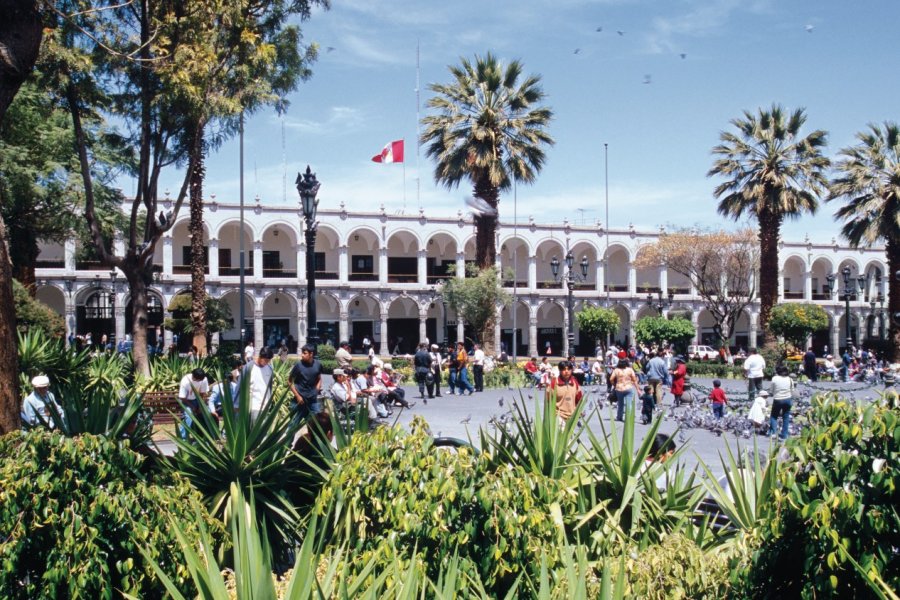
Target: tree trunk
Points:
(893, 258)
(9, 347)
(138, 288)
(198, 264)
(486, 225)
(769, 234)
(20, 41)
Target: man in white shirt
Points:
(249, 352)
(260, 383)
(754, 365)
(36, 409)
(478, 367)
(193, 388)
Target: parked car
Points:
(702, 352)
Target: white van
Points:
(702, 352)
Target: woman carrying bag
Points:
(625, 384)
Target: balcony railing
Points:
(793, 295)
(821, 296)
(674, 289)
(402, 278)
(363, 277)
(50, 264)
(509, 283)
(90, 265)
(549, 285)
(584, 286)
(326, 275)
(280, 273)
(186, 269)
(612, 287)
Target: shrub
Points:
(677, 569)
(75, 513)
(837, 503)
(34, 315)
(325, 352)
(398, 486)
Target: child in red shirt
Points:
(717, 395)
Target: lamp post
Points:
(846, 293)
(570, 277)
(112, 301)
(308, 187)
(661, 303)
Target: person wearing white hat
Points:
(757, 414)
(36, 406)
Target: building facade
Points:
(378, 277)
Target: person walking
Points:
(567, 392)
(193, 389)
(754, 367)
(809, 365)
(478, 367)
(306, 383)
(625, 384)
(656, 376)
(678, 375)
(422, 368)
(782, 400)
(437, 363)
(462, 360)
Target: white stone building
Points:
(377, 274)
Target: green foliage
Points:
(247, 454)
(325, 352)
(661, 331)
(395, 486)
(76, 513)
(837, 499)
(597, 322)
(41, 354)
(218, 315)
(678, 569)
(33, 314)
(795, 322)
(476, 298)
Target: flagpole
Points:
(404, 179)
(418, 133)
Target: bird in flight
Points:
(647, 79)
(599, 29)
(620, 32)
(809, 28)
(683, 55)
(329, 49)
(577, 51)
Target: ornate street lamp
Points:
(308, 187)
(849, 291)
(661, 303)
(570, 277)
(112, 300)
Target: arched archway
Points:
(551, 329)
(181, 248)
(403, 325)
(328, 314)
(622, 337)
(279, 252)
(232, 299)
(617, 264)
(362, 246)
(794, 274)
(280, 320)
(94, 313)
(440, 256)
(514, 253)
(544, 254)
(522, 318)
(364, 313)
(821, 269)
(155, 315)
(230, 250)
(403, 262)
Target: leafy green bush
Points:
(325, 352)
(699, 368)
(661, 330)
(76, 512)
(34, 315)
(795, 322)
(397, 486)
(677, 569)
(837, 501)
(42, 354)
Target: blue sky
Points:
(836, 59)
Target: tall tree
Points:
(868, 177)
(722, 266)
(147, 62)
(490, 130)
(20, 41)
(771, 173)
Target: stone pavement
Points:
(461, 416)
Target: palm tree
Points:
(868, 176)
(771, 173)
(490, 130)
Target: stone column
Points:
(460, 329)
(807, 286)
(664, 281)
(382, 265)
(781, 284)
(343, 265)
(344, 326)
(69, 254)
(532, 273)
(532, 337)
(423, 320)
(120, 320)
(167, 254)
(695, 320)
(422, 264)
(498, 337)
(168, 336)
(301, 322)
(754, 326)
(632, 280)
(213, 257)
(601, 277)
(383, 343)
(835, 336)
(461, 265)
(301, 264)
(632, 314)
(71, 324)
(257, 260)
(259, 339)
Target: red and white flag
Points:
(392, 153)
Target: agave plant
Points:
(247, 453)
(40, 354)
(107, 372)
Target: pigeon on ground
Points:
(467, 419)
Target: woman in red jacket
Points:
(678, 375)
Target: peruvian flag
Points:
(392, 153)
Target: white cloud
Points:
(340, 119)
(704, 18)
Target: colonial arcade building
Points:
(378, 277)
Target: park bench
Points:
(163, 405)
